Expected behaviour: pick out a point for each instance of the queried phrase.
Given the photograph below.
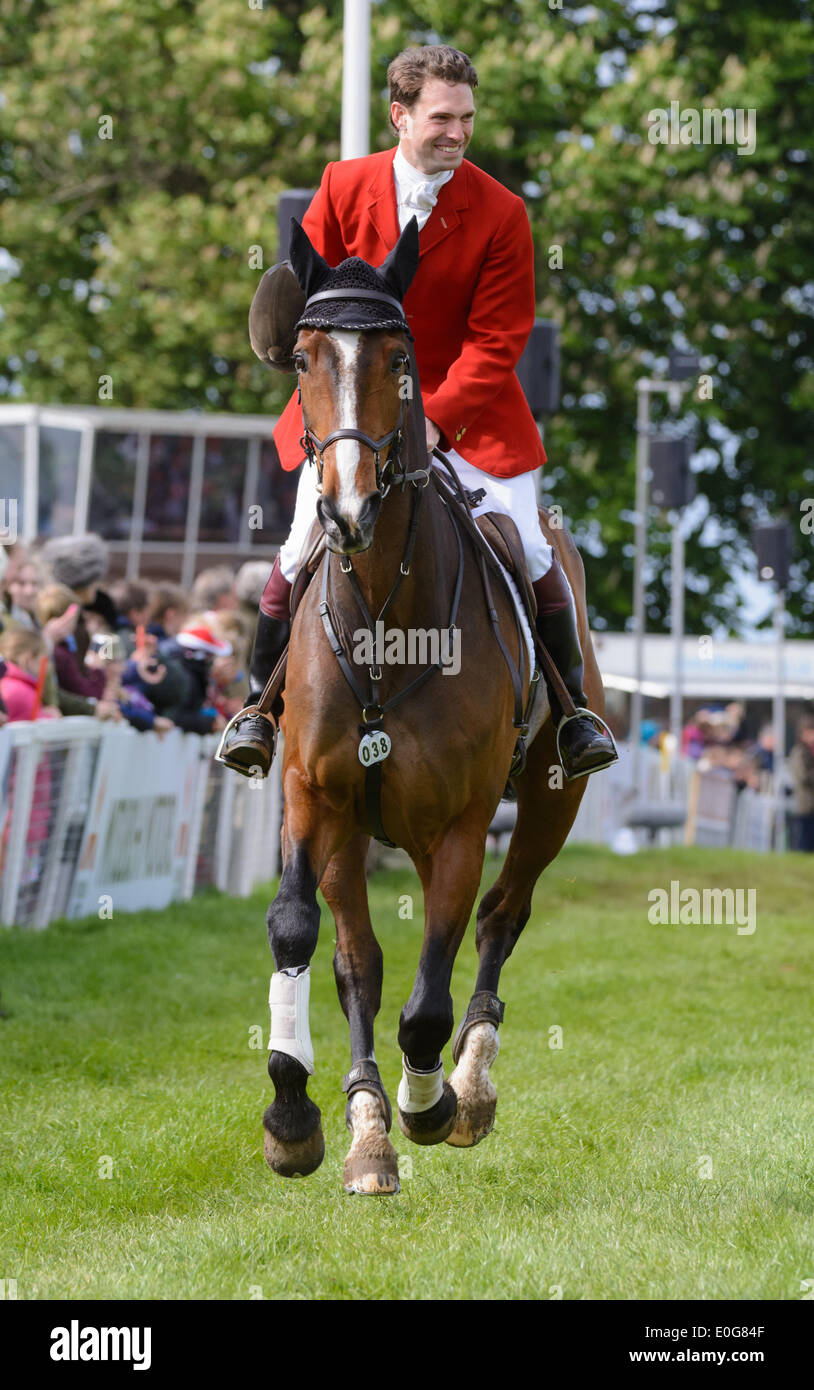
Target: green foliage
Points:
(132, 256)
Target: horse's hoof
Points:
(294, 1158)
(477, 1097)
(431, 1126)
(473, 1123)
(371, 1167)
(372, 1175)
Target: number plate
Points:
(374, 748)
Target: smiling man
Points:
(470, 308)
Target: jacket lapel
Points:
(453, 199)
(444, 218)
(382, 207)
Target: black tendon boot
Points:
(583, 747)
(250, 738)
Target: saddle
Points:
(501, 534)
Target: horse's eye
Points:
(300, 364)
(399, 362)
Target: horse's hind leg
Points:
(545, 814)
(451, 875)
(372, 1163)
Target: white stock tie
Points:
(422, 196)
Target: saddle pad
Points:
(497, 541)
(503, 538)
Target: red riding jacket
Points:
(470, 307)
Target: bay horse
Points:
(449, 747)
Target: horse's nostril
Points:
(369, 511)
(328, 513)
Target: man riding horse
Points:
(470, 309)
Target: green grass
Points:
(129, 1039)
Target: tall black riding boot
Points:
(250, 738)
(583, 747)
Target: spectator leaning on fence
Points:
(801, 770)
(180, 682)
(79, 562)
(21, 612)
(22, 652)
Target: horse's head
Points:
(350, 348)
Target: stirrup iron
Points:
(579, 712)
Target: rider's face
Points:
(436, 130)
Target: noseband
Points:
(314, 448)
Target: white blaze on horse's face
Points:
(347, 452)
(350, 400)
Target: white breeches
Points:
(516, 497)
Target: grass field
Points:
(666, 1149)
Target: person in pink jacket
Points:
(22, 652)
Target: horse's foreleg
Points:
(293, 1141)
(427, 1103)
(546, 809)
(372, 1163)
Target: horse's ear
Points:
(402, 263)
(309, 267)
(277, 305)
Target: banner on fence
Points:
(136, 840)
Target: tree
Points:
(133, 244)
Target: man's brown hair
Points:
(408, 72)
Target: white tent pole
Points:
(356, 80)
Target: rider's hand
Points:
(433, 435)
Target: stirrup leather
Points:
(234, 724)
(579, 713)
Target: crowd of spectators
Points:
(72, 643)
(716, 737)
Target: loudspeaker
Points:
(772, 543)
(683, 365)
(672, 485)
(539, 368)
(295, 202)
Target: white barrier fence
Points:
(96, 816)
(715, 811)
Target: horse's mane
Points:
(415, 430)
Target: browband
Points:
(353, 294)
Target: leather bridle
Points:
(314, 448)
